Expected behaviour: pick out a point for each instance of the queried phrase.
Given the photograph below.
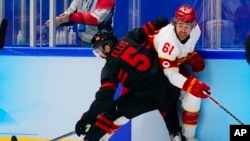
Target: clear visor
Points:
(99, 52)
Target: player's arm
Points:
(103, 99)
(73, 7)
(168, 60)
(62, 19)
(95, 17)
(194, 59)
(141, 34)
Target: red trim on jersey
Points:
(165, 63)
(103, 127)
(190, 117)
(163, 114)
(151, 27)
(148, 28)
(87, 17)
(106, 124)
(111, 85)
(150, 39)
(145, 29)
(122, 76)
(83, 18)
(125, 90)
(115, 127)
(104, 4)
(105, 119)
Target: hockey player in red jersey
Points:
(175, 45)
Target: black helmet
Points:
(103, 37)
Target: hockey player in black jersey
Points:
(133, 63)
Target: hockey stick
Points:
(217, 103)
(3, 29)
(63, 136)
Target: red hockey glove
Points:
(196, 88)
(196, 61)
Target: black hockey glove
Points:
(82, 125)
(160, 22)
(247, 48)
(150, 28)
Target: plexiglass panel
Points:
(224, 23)
(19, 16)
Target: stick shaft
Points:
(227, 111)
(63, 136)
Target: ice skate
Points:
(175, 136)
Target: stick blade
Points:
(3, 30)
(14, 138)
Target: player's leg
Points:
(171, 120)
(122, 110)
(106, 124)
(170, 116)
(190, 115)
